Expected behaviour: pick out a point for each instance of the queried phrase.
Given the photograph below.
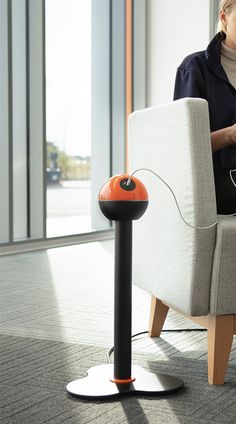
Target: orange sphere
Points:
(120, 201)
(116, 189)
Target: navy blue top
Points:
(202, 75)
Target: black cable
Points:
(111, 350)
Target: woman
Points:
(211, 75)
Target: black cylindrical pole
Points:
(122, 199)
(123, 300)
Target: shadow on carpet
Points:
(34, 374)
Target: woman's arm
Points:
(223, 138)
(189, 83)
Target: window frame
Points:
(6, 194)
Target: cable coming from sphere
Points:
(230, 174)
(175, 199)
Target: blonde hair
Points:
(226, 6)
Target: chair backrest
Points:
(170, 259)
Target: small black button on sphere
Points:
(127, 185)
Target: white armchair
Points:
(190, 270)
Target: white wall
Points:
(174, 30)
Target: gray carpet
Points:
(34, 374)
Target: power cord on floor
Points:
(111, 350)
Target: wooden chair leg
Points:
(158, 313)
(220, 337)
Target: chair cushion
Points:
(223, 286)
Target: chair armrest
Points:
(223, 285)
(171, 260)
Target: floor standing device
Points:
(122, 199)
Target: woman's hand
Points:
(223, 138)
(232, 134)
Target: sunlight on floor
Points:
(83, 281)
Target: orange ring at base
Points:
(125, 381)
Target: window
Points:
(68, 116)
(62, 82)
